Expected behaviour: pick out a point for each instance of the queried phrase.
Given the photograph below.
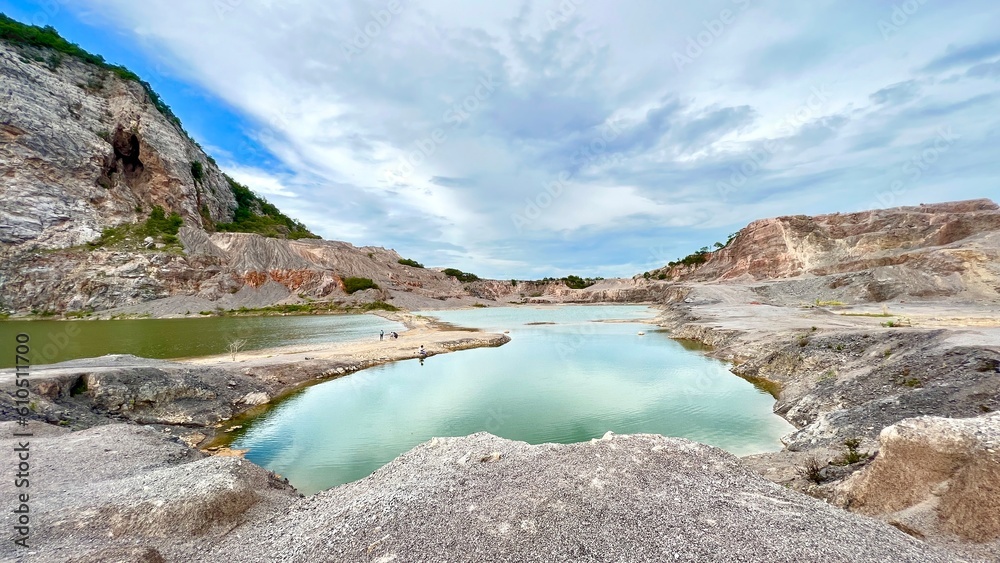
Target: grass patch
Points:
(410, 263)
(310, 308)
(78, 314)
(160, 226)
(811, 470)
(853, 454)
(352, 285)
(376, 306)
(464, 277)
(829, 303)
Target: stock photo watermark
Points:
(713, 29)
(458, 114)
(900, 16)
(754, 163)
(594, 152)
(366, 34)
(22, 437)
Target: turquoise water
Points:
(56, 341)
(564, 382)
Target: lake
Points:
(564, 382)
(56, 341)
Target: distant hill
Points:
(944, 249)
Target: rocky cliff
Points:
(945, 249)
(88, 153)
(83, 149)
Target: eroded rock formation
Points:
(943, 249)
(934, 474)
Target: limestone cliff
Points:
(923, 251)
(83, 149)
(88, 152)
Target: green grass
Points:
(311, 308)
(853, 454)
(160, 226)
(829, 303)
(376, 306)
(411, 263)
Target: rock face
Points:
(82, 149)
(478, 498)
(934, 474)
(129, 493)
(604, 291)
(931, 250)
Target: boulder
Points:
(934, 475)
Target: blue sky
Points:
(517, 139)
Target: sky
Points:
(518, 139)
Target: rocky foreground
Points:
(138, 495)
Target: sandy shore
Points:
(434, 341)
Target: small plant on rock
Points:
(812, 470)
(853, 453)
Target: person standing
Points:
(381, 334)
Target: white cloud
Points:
(412, 92)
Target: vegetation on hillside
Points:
(162, 228)
(47, 37)
(576, 282)
(358, 284)
(311, 308)
(701, 255)
(572, 282)
(197, 171)
(409, 262)
(255, 215)
(461, 276)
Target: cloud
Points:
(897, 94)
(985, 70)
(496, 139)
(961, 56)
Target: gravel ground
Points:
(622, 498)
